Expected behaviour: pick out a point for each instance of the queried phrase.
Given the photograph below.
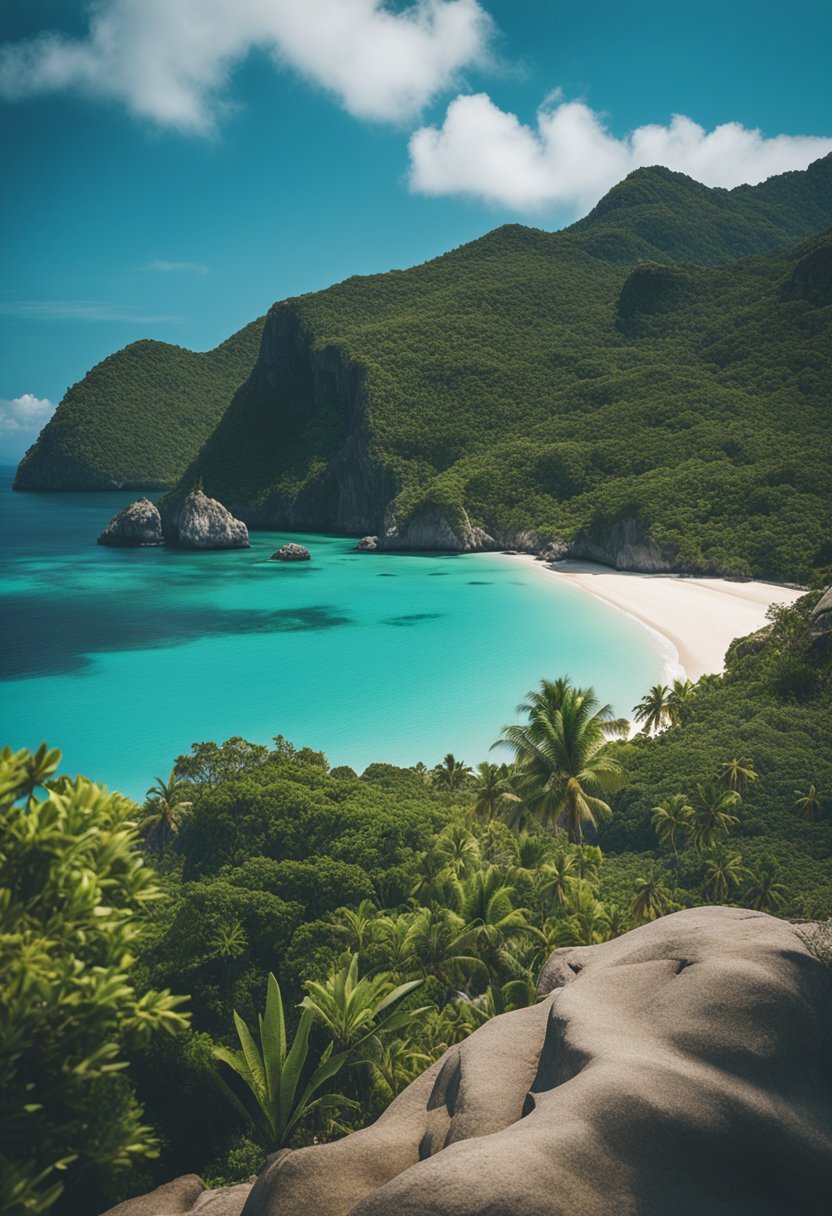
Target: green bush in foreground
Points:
(72, 886)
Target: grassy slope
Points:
(140, 416)
(502, 379)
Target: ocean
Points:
(123, 658)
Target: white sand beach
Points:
(700, 617)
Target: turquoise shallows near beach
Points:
(123, 658)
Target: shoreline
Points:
(696, 618)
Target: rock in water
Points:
(138, 524)
(292, 553)
(367, 544)
(681, 1068)
(204, 523)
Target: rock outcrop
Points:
(367, 544)
(186, 1195)
(199, 522)
(430, 528)
(820, 627)
(683, 1068)
(135, 525)
(291, 553)
(625, 545)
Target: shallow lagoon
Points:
(123, 658)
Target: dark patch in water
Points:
(53, 637)
(478, 582)
(439, 573)
(385, 574)
(413, 618)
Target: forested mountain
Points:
(649, 387)
(139, 417)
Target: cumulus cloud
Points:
(570, 158)
(25, 414)
(171, 60)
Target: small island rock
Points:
(204, 523)
(137, 524)
(292, 553)
(367, 544)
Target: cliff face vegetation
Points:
(649, 386)
(139, 417)
(626, 386)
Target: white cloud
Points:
(176, 267)
(81, 310)
(570, 158)
(26, 414)
(170, 60)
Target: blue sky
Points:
(175, 168)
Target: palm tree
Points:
(712, 815)
(489, 790)
(486, 906)
(163, 811)
(809, 805)
(272, 1073)
(587, 923)
(763, 891)
(651, 899)
(562, 756)
(723, 874)
(737, 774)
(679, 700)
(357, 925)
(671, 819)
(457, 849)
(556, 878)
(653, 709)
(394, 1064)
(439, 945)
(451, 774)
(350, 1008)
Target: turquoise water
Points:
(123, 658)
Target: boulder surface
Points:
(292, 553)
(204, 523)
(683, 1068)
(137, 524)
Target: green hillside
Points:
(651, 383)
(139, 417)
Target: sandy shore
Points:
(700, 617)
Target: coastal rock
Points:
(428, 528)
(625, 544)
(555, 551)
(204, 523)
(680, 1068)
(367, 544)
(820, 627)
(291, 553)
(135, 525)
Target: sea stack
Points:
(135, 526)
(204, 523)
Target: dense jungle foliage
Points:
(139, 417)
(625, 369)
(394, 911)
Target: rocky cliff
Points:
(683, 1068)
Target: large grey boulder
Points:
(204, 523)
(683, 1068)
(135, 525)
(186, 1196)
(367, 544)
